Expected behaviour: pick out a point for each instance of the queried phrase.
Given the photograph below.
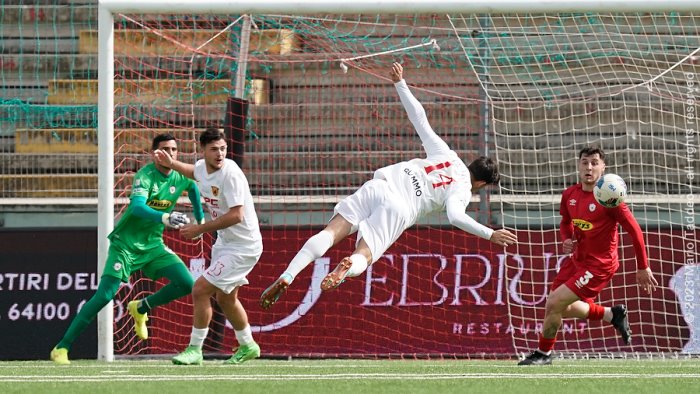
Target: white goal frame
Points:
(107, 9)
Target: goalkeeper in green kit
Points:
(137, 244)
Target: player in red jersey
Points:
(590, 234)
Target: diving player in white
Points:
(237, 249)
(441, 181)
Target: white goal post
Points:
(109, 8)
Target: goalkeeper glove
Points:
(176, 220)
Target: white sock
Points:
(198, 336)
(244, 336)
(359, 265)
(607, 315)
(314, 248)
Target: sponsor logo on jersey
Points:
(583, 225)
(212, 202)
(160, 204)
(591, 207)
(215, 191)
(572, 202)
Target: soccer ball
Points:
(610, 190)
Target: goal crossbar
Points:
(395, 6)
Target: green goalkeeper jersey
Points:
(161, 193)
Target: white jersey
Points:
(441, 181)
(426, 184)
(225, 189)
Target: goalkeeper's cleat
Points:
(60, 356)
(537, 358)
(337, 276)
(140, 320)
(191, 356)
(275, 291)
(244, 353)
(621, 324)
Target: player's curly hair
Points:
(485, 169)
(210, 135)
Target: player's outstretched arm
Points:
(230, 218)
(196, 200)
(459, 218)
(646, 280)
(173, 219)
(503, 237)
(164, 159)
(433, 144)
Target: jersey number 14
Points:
(444, 179)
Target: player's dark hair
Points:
(210, 135)
(485, 169)
(592, 150)
(161, 138)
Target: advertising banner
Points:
(436, 291)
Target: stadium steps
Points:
(85, 185)
(277, 184)
(319, 140)
(325, 148)
(48, 12)
(48, 185)
(85, 140)
(45, 26)
(335, 172)
(165, 92)
(84, 91)
(139, 42)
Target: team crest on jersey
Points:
(155, 188)
(117, 266)
(591, 207)
(172, 189)
(215, 191)
(582, 224)
(572, 202)
(137, 183)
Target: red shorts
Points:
(581, 281)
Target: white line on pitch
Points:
(57, 379)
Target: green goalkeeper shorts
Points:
(122, 262)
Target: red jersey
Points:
(595, 230)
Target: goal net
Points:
(311, 114)
(556, 83)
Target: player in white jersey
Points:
(237, 249)
(441, 181)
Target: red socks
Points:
(546, 344)
(595, 312)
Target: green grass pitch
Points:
(354, 376)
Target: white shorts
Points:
(376, 213)
(229, 268)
